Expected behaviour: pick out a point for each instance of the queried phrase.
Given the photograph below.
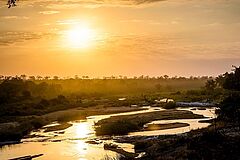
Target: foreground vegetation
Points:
(200, 144)
(15, 130)
(218, 141)
(27, 104)
(120, 125)
(152, 127)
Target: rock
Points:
(93, 142)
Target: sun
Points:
(80, 37)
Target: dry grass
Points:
(152, 127)
(119, 125)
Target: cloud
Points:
(49, 12)
(168, 47)
(10, 38)
(145, 1)
(15, 17)
(174, 47)
(130, 2)
(87, 3)
(68, 21)
(111, 1)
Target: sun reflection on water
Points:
(83, 130)
(81, 148)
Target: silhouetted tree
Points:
(160, 77)
(210, 85)
(24, 77)
(230, 106)
(141, 77)
(46, 77)
(85, 77)
(1, 77)
(32, 78)
(39, 77)
(232, 80)
(166, 76)
(11, 89)
(220, 80)
(55, 77)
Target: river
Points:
(71, 144)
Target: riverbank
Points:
(16, 130)
(152, 127)
(215, 142)
(77, 135)
(218, 141)
(135, 122)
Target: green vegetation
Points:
(14, 131)
(104, 87)
(19, 97)
(119, 125)
(25, 102)
(219, 141)
(170, 105)
(58, 127)
(112, 158)
(230, 106)
(198, 145)
(29, 104)
(152, 127)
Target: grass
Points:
(15, 132)
(26, 124)
(170, 105)
(58, 127)
(107, 157)
(152, 127)
(208, 143)
(120, 125)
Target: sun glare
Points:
(82, 130)
(80, 37)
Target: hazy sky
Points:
(119, 37)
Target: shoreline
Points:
(164, 126)
(132, 123)
(17, 132)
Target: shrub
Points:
(170, 105)
(119, 127)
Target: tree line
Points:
(77, 77)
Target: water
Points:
(71, 144)
(193, 123)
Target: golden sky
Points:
(119, 37)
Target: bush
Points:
(170, 105)
(119, 127)
(71, 116)
(38, 123)
(141, 145)
(230, 108)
